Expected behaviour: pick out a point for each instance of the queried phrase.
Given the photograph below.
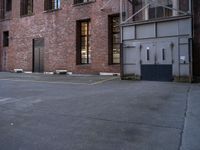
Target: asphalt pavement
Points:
(85, 112)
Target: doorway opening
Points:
(38, 55)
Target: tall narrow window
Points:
(5, 8)
(2, 9)
(5, 38)
(26, 7)
(83, 42)
(114, 39)
(8, 5)
(52, 4)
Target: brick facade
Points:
(59, 31)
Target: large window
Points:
(83, 42)
(5, 38)
(159, 11)
(52, 4)
(26, 7)
(114, 39)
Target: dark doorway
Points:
(157, 72)
(38, 55)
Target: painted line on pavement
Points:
(4, 99)
(74, 83)
(102, 81)
(15, 80)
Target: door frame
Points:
(33, 53)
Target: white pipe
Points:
(175, 4)
(146, 11)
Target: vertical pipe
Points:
(190, 60)
(121, 11)
(121, 19)
(146, 11)
(175, 4)
(190, 6)
(121, 40)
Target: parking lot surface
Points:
(52, 112)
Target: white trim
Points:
(28, 72)
(109, 74)
(48, 73)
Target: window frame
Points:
(8, 6)
(5, 8)
(5, 38)
(110, 40)
(2, 9)
(24, 8)
(79, 37)
(48, 5)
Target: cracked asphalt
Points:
(52, 112)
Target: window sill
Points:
(27, 15)
(52, 10)
(85, 65)
(114, 64)
(84, 3)
(8, 11)
(5, 19)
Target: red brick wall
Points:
(196, 46)
(59, 30)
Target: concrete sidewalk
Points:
(191, 133)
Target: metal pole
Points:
(190, 6)
(121, 19)
(121, 40)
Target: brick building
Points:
(48, 35)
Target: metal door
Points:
(38, 55)
(156, 61)
(3, 59)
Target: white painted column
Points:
(146, 11)
(190, 6)
(175, 4)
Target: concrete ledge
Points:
(61, 72)
(48, 73)
(69, 73)
(109, 74)
(18, 70)
(28, 72)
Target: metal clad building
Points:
(157, 41)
